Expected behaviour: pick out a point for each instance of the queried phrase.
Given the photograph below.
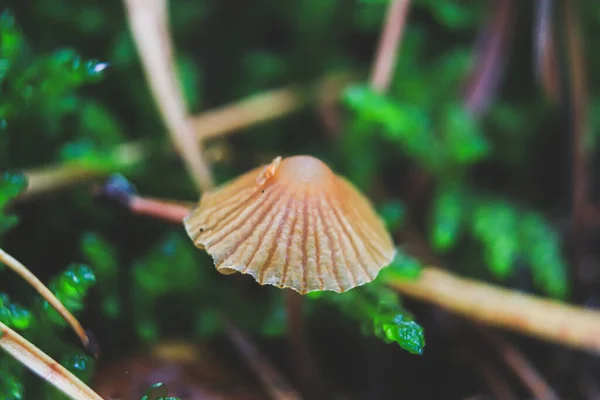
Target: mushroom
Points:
(292, 224)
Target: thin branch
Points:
(389, 43)
(221, 121)
(44, 366)
(546, 64)
(490, 53)
(508, 309)
(579, 122)
(149, 25)
(489, 374)
(165, 210)
(275, 383)
(517, 362)
(31, 279)
(250, 111)
(58, 176)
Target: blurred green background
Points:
(487, 183)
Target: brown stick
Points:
(491, 50)
(161, 209)
(210, 124)
(44, 366)
(250, 111)
(546, 63)
(32, 280)
(275, 383)
(579, 124)
(515, 311)
(387, 50)
(148, 21)
(524, 370)
(490, 375)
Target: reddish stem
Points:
(161, 209)
(387, 51)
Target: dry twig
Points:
(30, 278)
(275, 383)
(148, 21)
(508, 309)
(517, 361)
(389, 43)
(44, 366)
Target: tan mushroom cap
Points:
(292, 224)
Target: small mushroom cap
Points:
(292, 224)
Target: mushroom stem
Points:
(508, 309)
(303, 364)
(30, 278)
(44, 366)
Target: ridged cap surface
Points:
(292, 224)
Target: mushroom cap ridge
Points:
(292, 224)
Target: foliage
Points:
(76, 105)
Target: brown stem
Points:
(491, 50)
(149, 25)
(44, 366)
(275, 383)
(579, 129)
(524, 370)
(210, 124)
(508, 309)
(32, 280)
(389, 42)
(250, 111)
(160, 209)
(490, 375)
(546, 65)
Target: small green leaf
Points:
(393, 214)
(448, 209)
(403, 266)
(396, 328)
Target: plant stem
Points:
(389, 42)
(148, 21)
(228, 119)
(579, 100)
(168, 211)
(508, 309)
(516, 361)
(31, 279)
(44, 366)
(276, 385)
(53, 177)
(490, 54)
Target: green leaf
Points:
(542, 249)
(447, 214)
(12, 184)
(396, 328)
(462, 136)
(403, 266)
(394, 214)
